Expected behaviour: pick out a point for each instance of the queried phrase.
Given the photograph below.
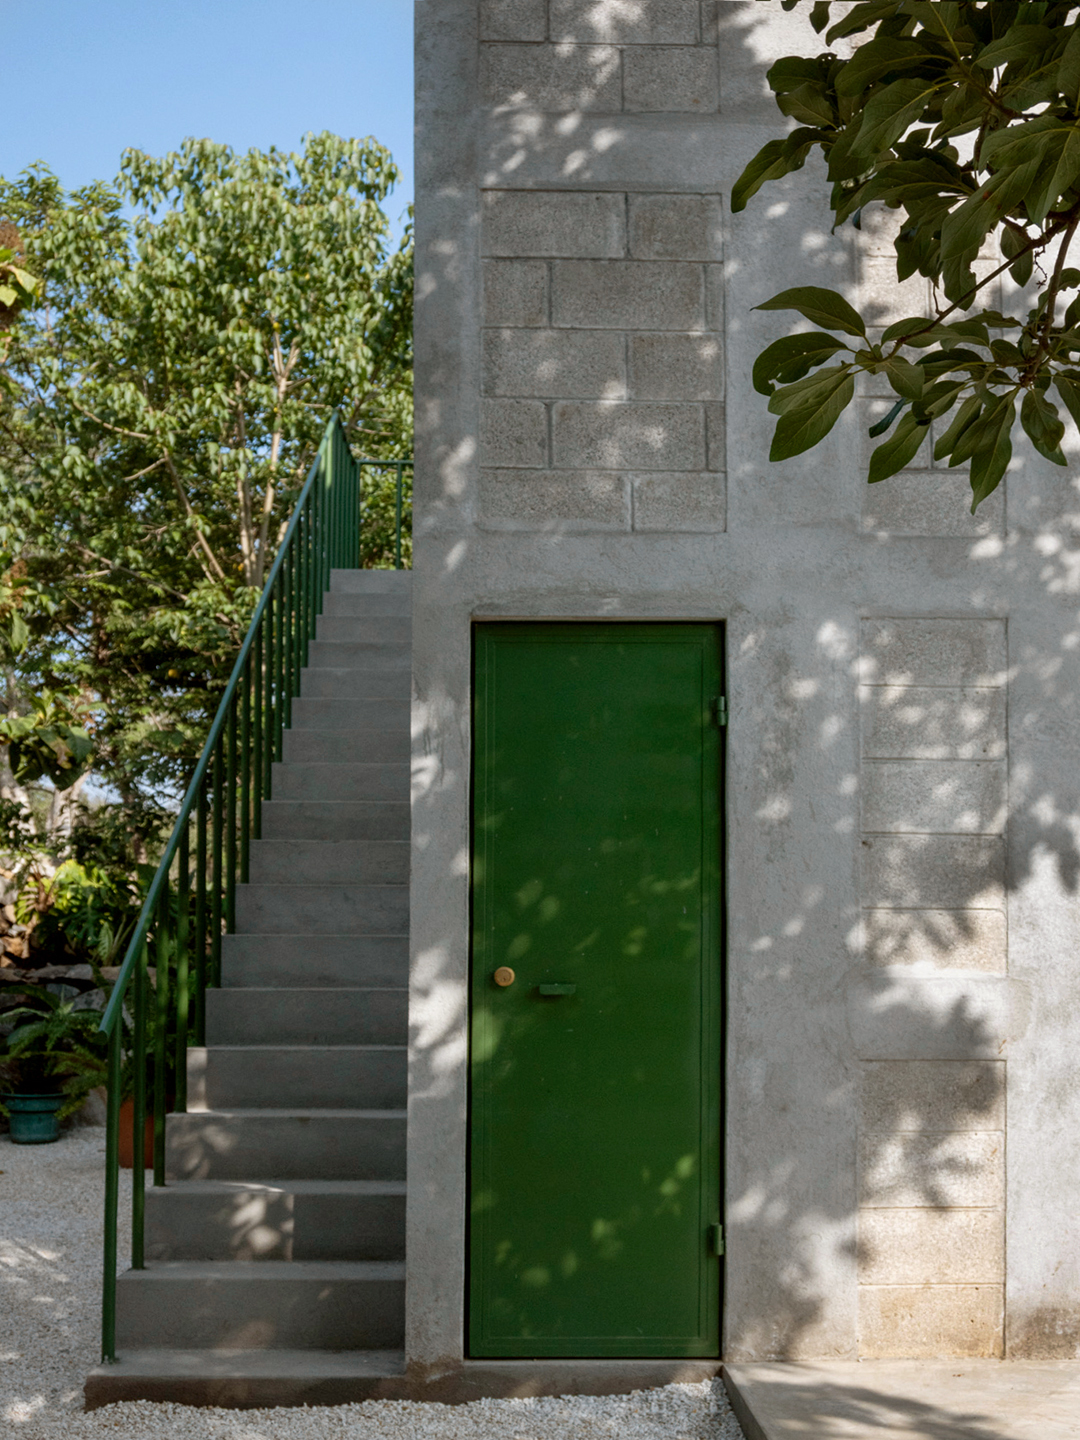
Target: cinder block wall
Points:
(903, 812)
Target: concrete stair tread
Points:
(162, 1271)
(261, 1363)
(270, 1045)
(268, 1112)
(292, 1187)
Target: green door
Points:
(595, 1119)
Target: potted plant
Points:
(55, 1056)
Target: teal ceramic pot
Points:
(33, 1118)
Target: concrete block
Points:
(696, 503)
(938, 796)
(914, 722)
(716, 436)
(884, 299)
(714, 297)
(326, 747)
(564, 500)
(933, 652)
(627, 295)
(547, 222)
(932, 1170)
(658, 22)
(610, 436)
(331, 683)
(335, 820)
(292, 781)
(919, 1095)
(307, 1077)
(552, 78)
(924, 1247)
(513, 20)
(385, 629)
(933, 872)
(675, 227)
(285, 1145)
(515, 292)
(944, 939)
(909, 1015)
(676, 367)
(349, 716)
(513, 433)
(671, 78)
(931, 502)
(909, 1322)
(314, 910)
(555, 363)
(329, 862)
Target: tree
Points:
(196, 325)
(965, 118)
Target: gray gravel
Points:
(50, 1266)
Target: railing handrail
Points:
(116, 999)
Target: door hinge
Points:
(716, 1239)
(719, 710)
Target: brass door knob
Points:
(504, 976)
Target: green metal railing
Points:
(191, 901)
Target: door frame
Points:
(718, 982)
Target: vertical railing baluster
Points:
(216, 846)
(138, 1111)
(247, 764)
(279, 664)
(230, 820)
(258, 732)
(397, 517)
(200, 916)
(183, 965)
(162, 947)
(112, 1198)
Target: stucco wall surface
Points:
(903, 795)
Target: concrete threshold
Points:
(246, 1380)
(907, 1399)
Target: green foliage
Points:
(965, 118)
(55, 1047)
(168, 388)
(46, 744)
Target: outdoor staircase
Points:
(275, 1251)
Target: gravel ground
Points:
(50, 1266)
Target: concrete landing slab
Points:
(907, 1400)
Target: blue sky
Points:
(89, 79)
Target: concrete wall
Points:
(903, 1102)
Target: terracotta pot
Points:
(127, 1139)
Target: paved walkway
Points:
(908, 1400)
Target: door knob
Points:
(504, 976)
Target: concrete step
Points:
(307, 1077)
(366, 629)
(314, 910)
(282, 1221)
(346, 746)
(351, 714)
(397, 603)
(362, 655)
(331, 820)
(284, 1144)
(371, 582)
(351, 683)
(280, 1016)
(341, 783)
(329, 862)
(319, 1305)
(248, 1379)
(329, 962)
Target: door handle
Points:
(557, 989)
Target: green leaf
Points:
(991, 457)
(1068, 387)
(903, 328)
(1043, 425)
(890, 112)
(861, 17)
(770, 163)
(1020, 42)
(880, 426)
(898, 450)
(819, 15)
(808, 410)
(1068, 76)
(905, 378)
(967, 415)
(808, 103)
(879, 57)
(791, 357)
(822, 307)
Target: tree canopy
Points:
(167, 384)
(965, 119)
